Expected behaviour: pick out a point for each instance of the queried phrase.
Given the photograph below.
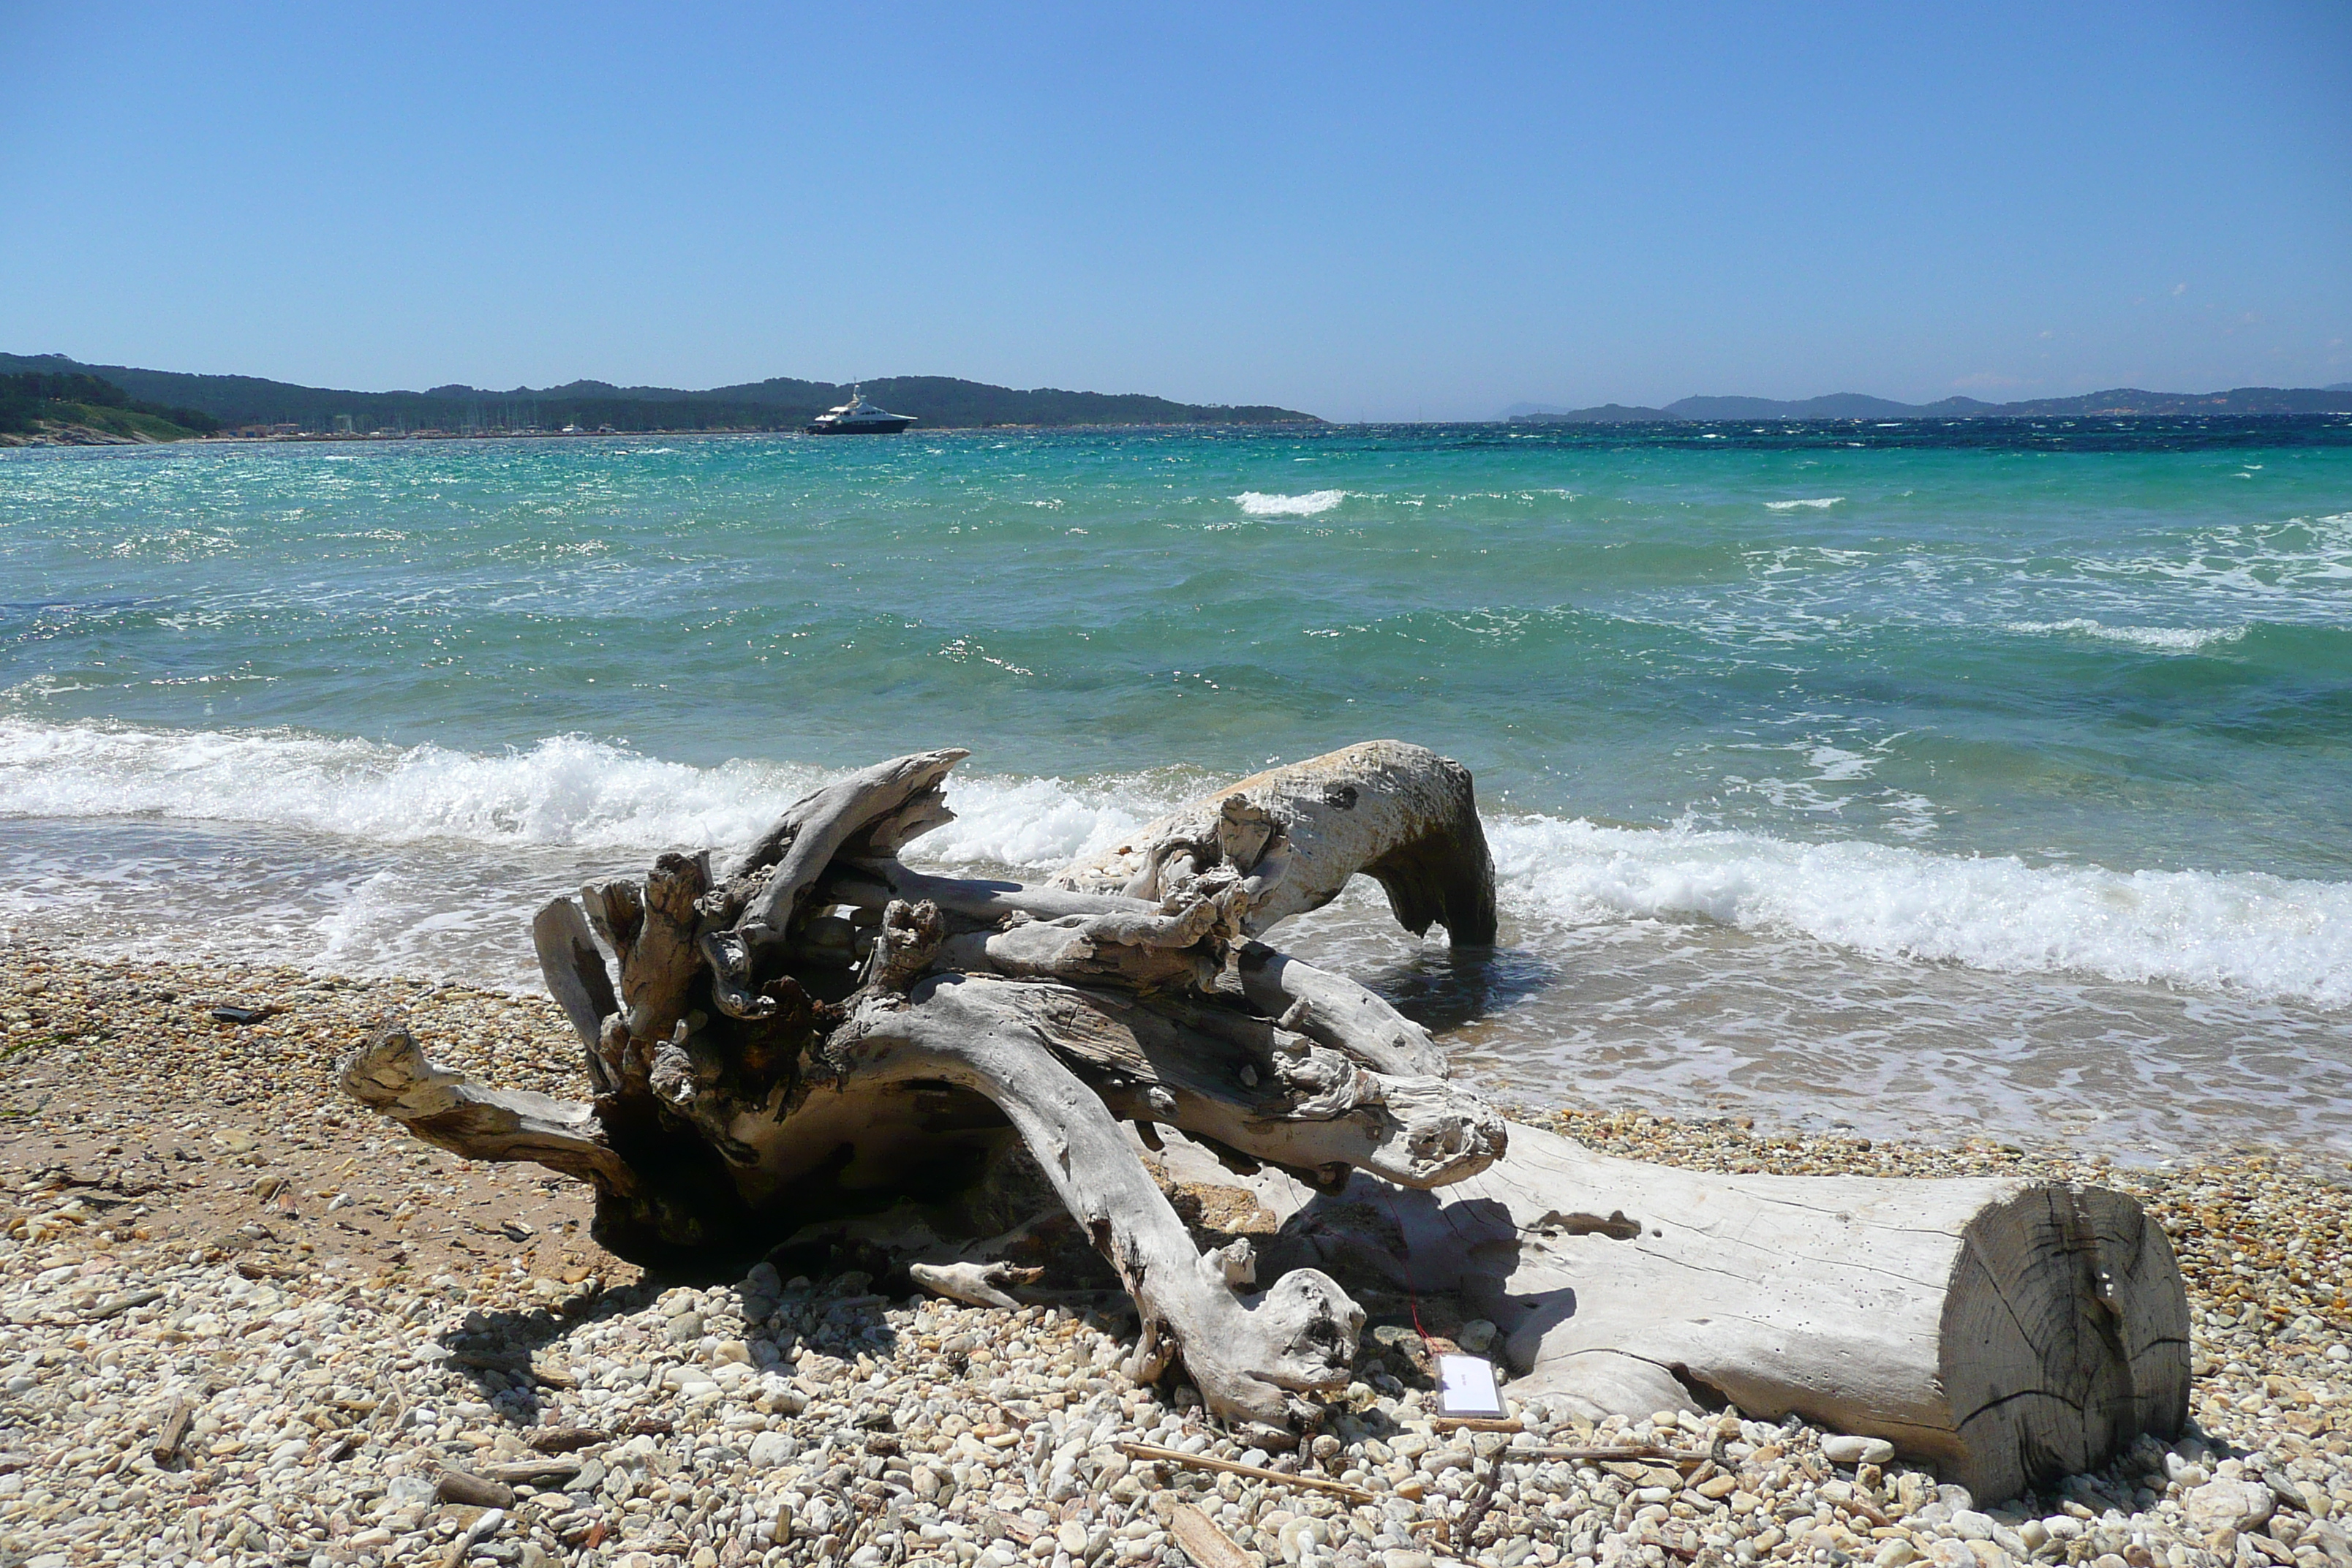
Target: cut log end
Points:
(2065, 1336)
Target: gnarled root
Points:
(1248, 1354)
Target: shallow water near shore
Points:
(1921, 788)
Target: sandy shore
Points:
(248, 1324)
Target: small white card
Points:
(1465, 1388)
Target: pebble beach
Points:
(248, 1324)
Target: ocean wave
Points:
(1260, 503)
(1819, 503)
(2230, 931)
(565, 790)
(2239, 931)
(2169, 639)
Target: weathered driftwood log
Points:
(817, 1032)
(2009, 1331)
(1401, 815)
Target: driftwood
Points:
(814, 1032)
(2009, 1331)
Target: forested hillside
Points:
(939, 401)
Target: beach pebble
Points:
(2240, 1505)
(1852, 1450)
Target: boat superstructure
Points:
(858, 417)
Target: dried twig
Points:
(1621, 1451)
(1235, 1466)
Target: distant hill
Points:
(71, 408)
(939, 401)
(2121, 402)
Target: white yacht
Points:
(858, 418)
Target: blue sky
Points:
(1370, 211)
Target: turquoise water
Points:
(2004, 784)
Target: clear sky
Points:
(1366, 210)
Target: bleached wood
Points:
(2009, 1331)
(814, 828)
(576, 977)
(1338, 1012)
(1248, 1354)
(1400, 813)
(984, 901)
(974, 1283)
(664, 965)
(1240, 1082)
(450, 1110)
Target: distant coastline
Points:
(253, 407)
(2119, 403)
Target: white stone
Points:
(770, 1449)
(1971, 1525)
(407, 1491)
(1852, 1450)
(2229, 1505)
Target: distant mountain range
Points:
(939, 401)
(2123, 401)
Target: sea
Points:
(1935, 780)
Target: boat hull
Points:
(863, 428)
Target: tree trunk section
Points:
(2008, 1331)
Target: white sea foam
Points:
(564, 791)
(1259, 503)
(1819, 503)
(2238, 931)
(2245, 932)
(2169, 639)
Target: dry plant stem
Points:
(1158, 1455)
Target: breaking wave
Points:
(2239, 931)
(2236, 930)
(1259, 503)
(2169, 639)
